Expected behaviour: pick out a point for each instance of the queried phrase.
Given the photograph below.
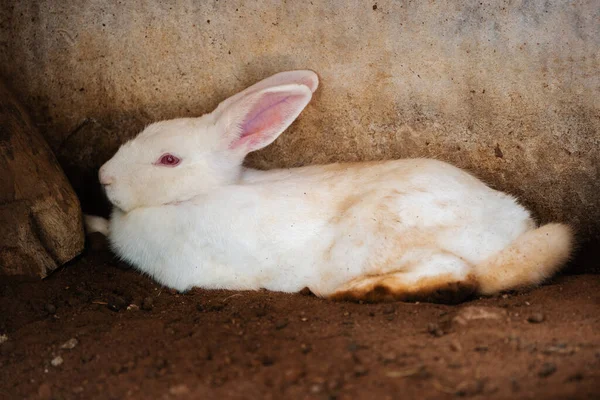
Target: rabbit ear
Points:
(302, 77)
(257, 119)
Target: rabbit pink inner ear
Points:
(269, 115)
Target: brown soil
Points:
(219, 344)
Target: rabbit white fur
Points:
(404, 229)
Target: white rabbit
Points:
(189, 215)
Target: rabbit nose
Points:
(105, 179)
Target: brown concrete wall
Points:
(507, 89)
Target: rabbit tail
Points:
(531, 258)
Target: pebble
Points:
(435, 329)
(78, 389)
(360, 370)
(179, 390)
(455, 346)
(578, 376)
(148, 304)
(282, 323)
(267, 360)
(86, 358)
(70, 344)
(293, 375)
(57, 361)
(3, 338)
(469, 388)
(515, 385)
(50, 308)
(116, 304)
(305, 348)
(473, 313)
(536, 318)
(389, 357)
(411, 371)
(388, 309)
(216, 307)
(547, 370)
(334, 384)
(352, 347)
(316, 388)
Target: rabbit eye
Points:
(168, 160)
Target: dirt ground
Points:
(95, 330)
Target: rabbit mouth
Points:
(108, 192)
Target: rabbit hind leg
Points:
(442, 279)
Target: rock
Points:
(475, 313)
(57, 361)
(547, 370)
(41, 224)
(70, 344)
(148, 304)
(3, 338)
(536, 318)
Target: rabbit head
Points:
(173, 161)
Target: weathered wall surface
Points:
(507, 89)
